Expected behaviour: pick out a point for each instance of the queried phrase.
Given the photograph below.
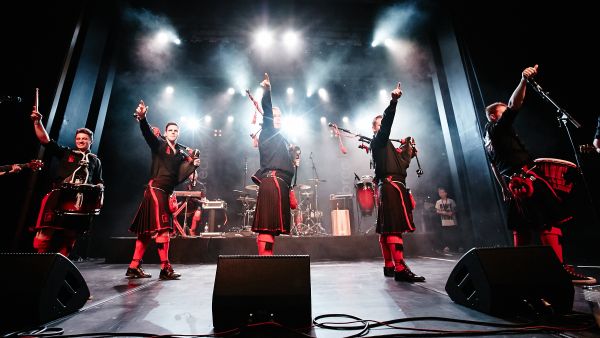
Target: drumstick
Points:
(37, 100)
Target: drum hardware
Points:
(303, 186)
(253, 187)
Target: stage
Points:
(144, 307)
(208, 247)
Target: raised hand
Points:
(529, 72)
(35, 115)
(141, 110)
(266, 82)
(396, 93)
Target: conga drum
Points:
(365, 195)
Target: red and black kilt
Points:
(394, 213)
(153, 213)
(543, 210)
(272, 214)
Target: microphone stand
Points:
(563, 119)
(316, 181)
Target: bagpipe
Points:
(364, 140)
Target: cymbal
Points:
(239, 191)
(316, 180)
(306, 193)
(246, 199)
(303, 186)
(252, 187)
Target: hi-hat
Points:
(246, 199)
(306, 193)
(252, 187)
(303, 186)
(240, 192)
(316, 180)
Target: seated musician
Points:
(194, 204)
(56, 232)
(533, 205)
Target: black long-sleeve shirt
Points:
(272, 146)
(69, 162)
(503, 145)
(388, 161)
(168, 168)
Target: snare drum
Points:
(79, 199)
(557, 173)
(365, 196)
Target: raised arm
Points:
(140, 114)
(383, 134)
(517, 97)
(38, 127)
(266, 103)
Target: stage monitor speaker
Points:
(508, 281)
(253, 289)
(39, 288)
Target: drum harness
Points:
(83, 164)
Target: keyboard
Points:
(185, 193)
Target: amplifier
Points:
(216, 204)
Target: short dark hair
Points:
(85, 131)
(493, 108)
(375, 120)
(171, 124)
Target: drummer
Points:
(533, 205)
(55, 232)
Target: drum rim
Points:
(555, 161)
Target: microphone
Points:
(533, 83)
(8, 98)
(342, 129)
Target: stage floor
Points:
(183, 307)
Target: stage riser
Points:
(207, 250)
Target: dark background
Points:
(498, 41)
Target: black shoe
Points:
(577, 278)
(137, 273)
(407, 276)
(388, 271)
(168, 273)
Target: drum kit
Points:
(306, 218)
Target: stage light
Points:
(290, 40)
(207, 118)
(162, 38)
(375, 43)
(323, 120)
(263, 38)
(259, 93)
(323, 94)
(290, 90)
(193, 123)
(229, 118)
(310, 91)
(169, 90)
(177, 41)
(345, 119)
(388, 42)
(230, 91)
